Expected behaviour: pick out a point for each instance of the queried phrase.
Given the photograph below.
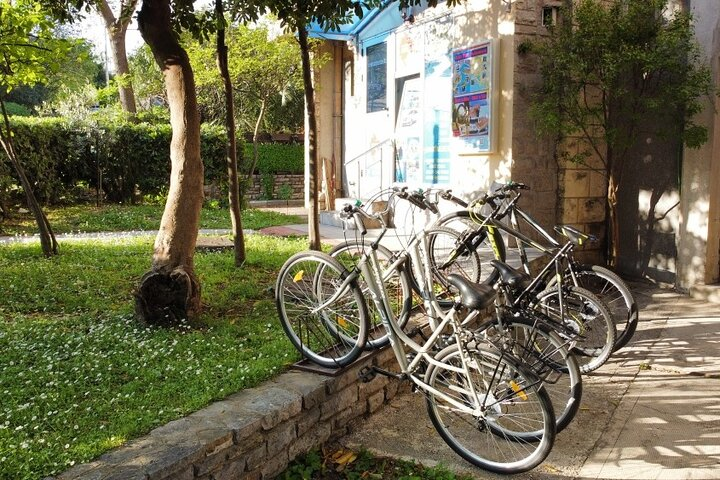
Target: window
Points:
(550, 16)
(377, 78)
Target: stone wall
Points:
(533, 156)
(295, 182)
(253, 434)
(276, 182)
(582, 191)
(561, 192)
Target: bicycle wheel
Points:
(546, 354)
(498, 432)
(585, 315)
(397, 285)
(486, 241)
(446, 258)
(333, 336)
(610, 288)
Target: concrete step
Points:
(332, 219)
(709, 293)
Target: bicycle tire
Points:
(514, 401)
(616, 295)
(588, 315)
(397, 285)
(545, 353)
(334, 336)
(492, 245)
(441, 242)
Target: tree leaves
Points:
(29, 51)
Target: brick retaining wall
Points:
(295, 182)
(257, 189)
(252, 434)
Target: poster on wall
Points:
(407, 136)
(471, 95)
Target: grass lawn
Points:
(79, 376)
(113, 218)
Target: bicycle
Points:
(533, 339)
(488, 407)
(478, 229)
(550, 293)
(575, 313)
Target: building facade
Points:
(441, 97)
(435, 97)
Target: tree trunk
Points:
(48, 243)
(613, 227)
(170, 291)
(313, 214)
(231, 158)
(256, 134)
(614, 169)
(116, 29)
(125, 89)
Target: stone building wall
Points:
(582, 194)
(533, 156)
(561, 192)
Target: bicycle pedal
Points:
(367, 374)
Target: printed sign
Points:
(472, 89)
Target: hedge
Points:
(277, 157)
(131, 157)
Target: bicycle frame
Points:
(370, 267)
(512, 210)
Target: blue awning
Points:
(349, 30)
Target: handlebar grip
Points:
(460, 202)
(514, 186)
(447, 195)
(359, 223)
(417, 200)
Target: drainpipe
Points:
(337, 151)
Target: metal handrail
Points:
(377, 145)
(367, 166)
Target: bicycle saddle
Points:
(512, 277)
(475, 296)
(574, 235)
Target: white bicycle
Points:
(484, 402)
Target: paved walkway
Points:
(652, 412)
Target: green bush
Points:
(13, 108)
(129, 158)
(277, 157)
(55, 157)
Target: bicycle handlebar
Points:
(417, 198)
(356, 213)
(447, 195)
(512, 187)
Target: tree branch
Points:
(107, 14)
